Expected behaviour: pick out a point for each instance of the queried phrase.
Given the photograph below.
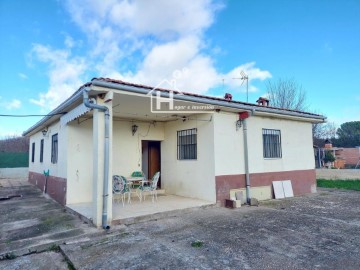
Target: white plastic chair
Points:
(120, 188)
(151, 188)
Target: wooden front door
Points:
(154, 159)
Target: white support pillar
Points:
(98, 164)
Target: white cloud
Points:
(22, 76)
(69, 42)
(140, 41)
(251, 71)
(164, 18)
(10, 105)
(64, 74)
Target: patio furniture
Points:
(120, 188)
(136, 178)
(150, 188)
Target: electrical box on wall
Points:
(243, 115)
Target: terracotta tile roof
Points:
(196, 95)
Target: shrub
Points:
(329, 157)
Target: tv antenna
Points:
(244, 77)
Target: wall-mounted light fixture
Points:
(238, 124)
(134, 129)
(44, 131)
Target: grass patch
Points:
(14, 160)
(342, 184)
(197, 244)
(9, 256)
(54, 248)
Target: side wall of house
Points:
(127, 156)
(296, 163)
(79, 162)
(190, 178)
(56, 182)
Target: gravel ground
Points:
(316, 231)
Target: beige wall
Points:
(296, 142)
(190, 178)
(58, 169)
(79, 162)
(127, 148)
(229, 153)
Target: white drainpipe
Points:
(104, 109)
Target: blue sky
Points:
(49, 48)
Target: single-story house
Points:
(205, 147)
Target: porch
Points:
(139, 141)
(136, 211)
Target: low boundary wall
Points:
(15, 173)
(338, 174)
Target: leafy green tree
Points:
(329, 157)
(348, 135)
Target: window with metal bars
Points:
(33, 152)
(54, 148)
(187, 144)
(42, 150)
(271, 143)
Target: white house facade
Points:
(205, 153)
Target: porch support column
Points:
(98, 163)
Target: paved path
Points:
(11, 182)
(31, 223)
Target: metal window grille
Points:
(33, 152)
(54, 148)
(272, 143)
(187, 144)
(42, 150)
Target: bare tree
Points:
(322, 131)
(287, 94)
(14, 144)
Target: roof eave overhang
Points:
(55, 114)
(98, 85)
(254, 109)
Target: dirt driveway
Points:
(316, 231)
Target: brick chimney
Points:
(263, 101)
(328, 143)
(228, 96)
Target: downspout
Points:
(242, 118)
(104, 109)
(246, 161)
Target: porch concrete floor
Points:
(136, 211)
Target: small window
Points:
(54, 148)
(42, 150)
(33, 152)
(272, 143)
(187, 144)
